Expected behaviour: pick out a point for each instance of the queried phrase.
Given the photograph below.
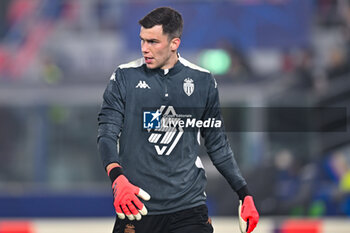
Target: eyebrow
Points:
(148, 39)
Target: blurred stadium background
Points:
(56, 57)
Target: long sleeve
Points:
(111, 118)
(216, 142)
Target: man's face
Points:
(157, 49)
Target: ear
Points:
(175, 43)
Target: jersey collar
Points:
(172, 71)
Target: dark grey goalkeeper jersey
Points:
(151, 121)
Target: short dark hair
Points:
(170, 19)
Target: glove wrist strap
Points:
(114, 173)
(243, 192)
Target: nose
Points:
(144, 47)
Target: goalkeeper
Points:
(158, 180)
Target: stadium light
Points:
(217, 61)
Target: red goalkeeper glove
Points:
(248, 215)
(126, 201)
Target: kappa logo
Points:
(166, 137)
(142, 84)
(188, 86)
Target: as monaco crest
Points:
(188, 86)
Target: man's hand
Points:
(248, 215)
(126, 201)
(125, 194)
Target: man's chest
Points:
(180, 91)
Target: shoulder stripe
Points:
(134, 64)
(112, 77)
(192, 66)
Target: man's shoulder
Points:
(193, 66)
(133, 64)
(126, 67)
(199, 73)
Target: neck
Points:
(171, 62)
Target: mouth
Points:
(148, 60)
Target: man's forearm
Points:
(107, 148)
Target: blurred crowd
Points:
(304, 187)
(27, 27)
